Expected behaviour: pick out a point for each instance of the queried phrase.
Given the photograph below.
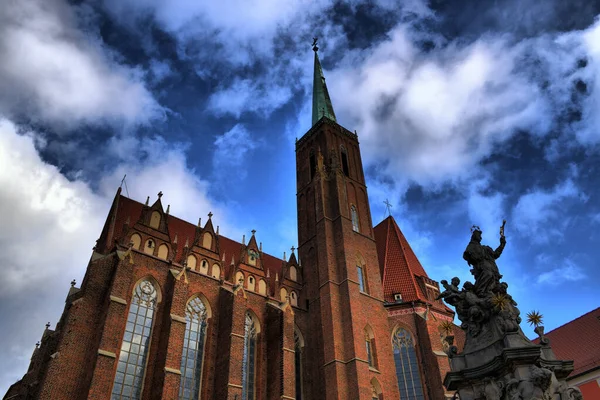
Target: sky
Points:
(468, 112)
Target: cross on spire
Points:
(388, 207)
(160, 194)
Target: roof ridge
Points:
(571, 321)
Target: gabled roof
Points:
(131, 210)
(398, 263)
(578, 340)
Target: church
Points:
(170, 309)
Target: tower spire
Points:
(322, 106)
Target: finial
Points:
(210, 214)
(47, 325)
(475, 228)
(260, 247)
(175, 239)
(244, 239)
(388, 207)
(276, 277)
(293, 248)
(284, 257)
(217, 230)
(314, 44)
(268, 273)
(37, 344)
(253, 231)
(127, 221)
(168, 208)
(73, 282)
(160, 194)
(187, 242)
(147, 200)
(199, 222)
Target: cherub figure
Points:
(451, 291)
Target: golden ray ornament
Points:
(534, 318)
(500, 301)
(446, 327)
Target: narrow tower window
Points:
(298, 364)
(249, 358)
(345, 162)
(134, 348)
(354, 215)
(361, 279)
(193, 350)
(407, 372)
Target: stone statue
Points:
(483, 260)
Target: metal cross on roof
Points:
(388, 207)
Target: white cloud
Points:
(54, 73)
(539, 211)
(231, 152)
(569, 272)
(245, 95)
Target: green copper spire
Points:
(321, 102)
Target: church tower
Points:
(349, 334)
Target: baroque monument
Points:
(498, 362)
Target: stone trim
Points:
(283, 396)
(345, 362)
(234, 385)
(440, 353)
(105, 353)
(237, 335)
(178, 318)
(172, 371)
(118, 300)
(290, 350)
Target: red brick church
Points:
(174, 310)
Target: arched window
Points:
(370, 347)
(293, 273)
(407, 370)
(193, 350)
(262, 287)
(298, 347)
(149, 247)
(354, 214)
(345, 161)
(204, 267)
(216, 271)
(191, 262)
(249, 358)
(251, 283)
(163, 251)
(283, 294)
(207, 240)
(135, 241)
(136, 341)
(155, 220)
(239, 278)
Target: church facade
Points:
(174, 310)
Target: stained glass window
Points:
(249, 358)
(354, 215)
(298, 365)
(407, 370)
(361, 279)
(134, 348)
(193, 350)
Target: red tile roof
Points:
(578, 340)
(128, 208)
(398, 263)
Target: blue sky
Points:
(467, 112)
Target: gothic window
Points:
(207, 240)
(293, 273)
(216, 271)
(298, 345)
(361, 279)
(355, 223)
(313, 164)
(249, 358)
(135, 241)
(370, 347)
(149, 247)
(251, 283)
(345, 162)
(136, 340)
(191, 262)
(204, 267)
(155, 220)
(163, 251)
(407, 370)
(193, 350)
